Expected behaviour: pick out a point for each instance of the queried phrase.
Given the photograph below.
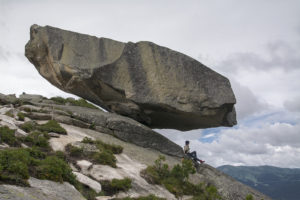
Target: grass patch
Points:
(175, 180)
(21, 116)
(52, 126)
(80, 102)
(8, 136)
(116, 185)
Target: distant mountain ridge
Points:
(278, 183)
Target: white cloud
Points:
(247, 103)
(293, 104)
(263, 143)
(4, 54)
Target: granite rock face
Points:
(154, 85)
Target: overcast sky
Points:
(255, 43)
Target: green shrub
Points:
(28, 126)
(86, 191)
(14, 166)
(173, 185)
(121, 184)
(21, 116)
(17, 164)
(182, 172)
(9, 113)
(151, 175)
(27, 109)
(88, 140)
(39, 139)
(55, 169)
(36, 153)
(105, 158)
(61, 155)
(52, 126)
(115, 149)
(74, 151)
(92, 126)
(176, 180)
(8, 136)
(116, 185)
(249, 197)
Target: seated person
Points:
(193, 154)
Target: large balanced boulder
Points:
(152, 84)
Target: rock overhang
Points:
(154, 85)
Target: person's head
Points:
(187, 142)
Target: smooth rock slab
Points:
(88, 181)
(152, 84)
(41, 190)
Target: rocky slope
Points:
(154, 85)
(130, 162)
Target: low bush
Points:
(86, 191)
(52, 126)
(9, 113)
(28, 126)
(115, 186)
(16, 165)
(176, 181)
(55, 169)
(104, 158)
(36, 153)
(21, 116)
(115, 149)
(249, 197)
(38, 139)
(60, 155)
(26, 109)
(73, 151)
(8, 136)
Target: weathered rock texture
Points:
(42, 190)
(130, 162)
(149, 83)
